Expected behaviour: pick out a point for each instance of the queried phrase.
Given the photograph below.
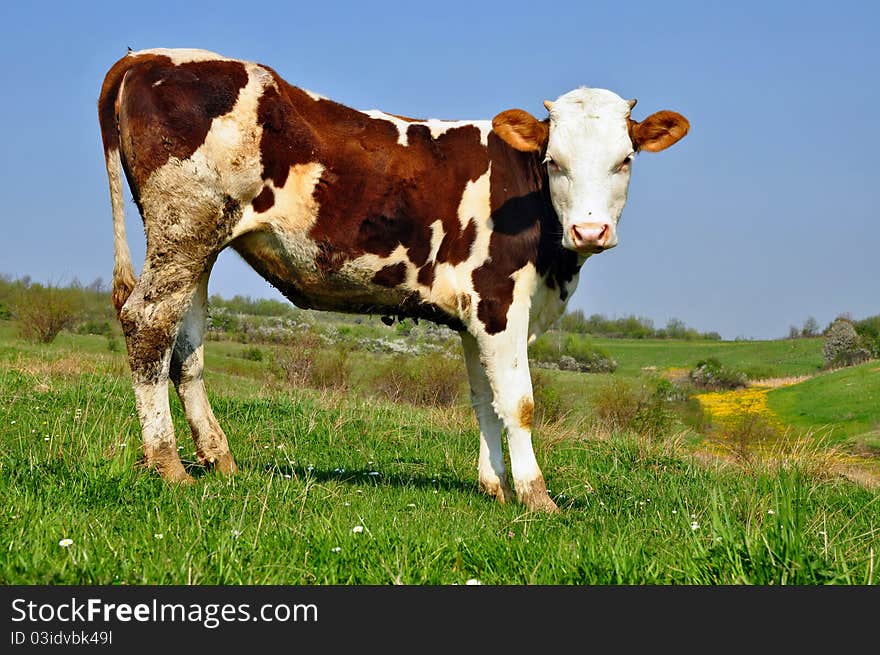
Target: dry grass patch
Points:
(808, 452)
(775, 383)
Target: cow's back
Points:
(339, 209)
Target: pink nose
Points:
(591, 236)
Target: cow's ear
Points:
(522, 131)
(658, 131)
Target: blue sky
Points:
(765, 214)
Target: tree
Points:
(42, 312)
(811, 328)
(676, 329)
(843, 346)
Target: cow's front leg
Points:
(504, 357)
(491, 469)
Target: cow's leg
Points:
(187, 368)
(504, 357)
(491, 469)
(150, 320)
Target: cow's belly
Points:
(293, 264)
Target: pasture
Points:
(340, 485)
(843, 402)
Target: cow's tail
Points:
(123, 272)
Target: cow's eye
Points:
(551, 165)
(622, 166)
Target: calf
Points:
(479, 225)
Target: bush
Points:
(304, 362)
(571, 352)
(42, 312)
(626, 406)
(330, 369)
(95, 326)
(710, 374)
(252, 354)
(433, 380)
(869, 330)
(843, 346)
(746, 431)
(549, 405)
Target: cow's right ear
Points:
(522, 131)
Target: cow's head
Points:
(588, 144)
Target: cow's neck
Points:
(558, 268)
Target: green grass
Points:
(315, 465)
(843, 403)
(759, 359)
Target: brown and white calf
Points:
(479, 225)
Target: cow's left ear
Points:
(658, 131)
(522, 131)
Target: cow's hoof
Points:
(165, 461)
(534, 496)
(224, 464)
(172, 472)
(541, 504)
(499, 490)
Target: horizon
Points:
(810, 324)
(763, 216)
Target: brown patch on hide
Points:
(166, 110)
(264, 200)
(390, 276)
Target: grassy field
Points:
(316, 465)
(844, 404)
(759, 359)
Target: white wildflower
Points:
(357, 529)
(66, 542)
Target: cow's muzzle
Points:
(593, 237)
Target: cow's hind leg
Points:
(491, 468)
(150, 320)
(187, 368)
